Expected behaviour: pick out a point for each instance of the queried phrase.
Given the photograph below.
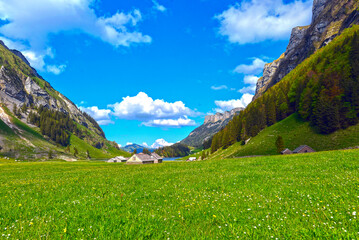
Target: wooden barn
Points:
(303, 149)
(143, 158)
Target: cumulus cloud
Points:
(152, 113)
(248, 89)
(259, 20)
(102, 116)
(30, 23)
(56, 69)
(160, 143)
(180, 122)
(158, 6)
(234, 103)
(143, 108)
(255, 67)
(252, 81)
(219, 87)
(129, 143)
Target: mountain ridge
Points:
(212, 124)
(330, 18)
(32, 108)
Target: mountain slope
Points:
(323, 90)
(212, 124)
(330, 18)
(35, 118)
(295, 132)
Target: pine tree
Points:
(203, 156)
(75, 152)
(24, 108)
(279, 143)
(50, 154)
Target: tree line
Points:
(58, 126)
(323, 90)
(175, 150)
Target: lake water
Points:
(171, 159)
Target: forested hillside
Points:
(175, 150)
(323, 90)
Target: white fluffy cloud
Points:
(234, 103)
(259, 20)
(252, 81)
(56, 69)
(158, 6)
(102, 116)
(219, 87)
(255, 67)
(180, 122)
(143, 108)
(30, 23)
(152, 113)
(160, 143)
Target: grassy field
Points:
(297, 196)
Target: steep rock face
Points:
(330, 18)
(212, 124)
(20, 84)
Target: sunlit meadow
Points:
(281, 197)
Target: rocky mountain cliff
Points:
(20, 84)
(36, 119)
(212, 124)
(330, 18)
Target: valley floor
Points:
(285, 197)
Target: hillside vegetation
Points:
(295, 132)
(27, 142)
(323, 90)
(308, 196)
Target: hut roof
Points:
(156, 156)
(144, 157)
(298, 149)
(287, 150)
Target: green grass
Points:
(295, 132)
(5, 129)
(285, 197)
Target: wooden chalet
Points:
(142, 158)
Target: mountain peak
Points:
(329, 19)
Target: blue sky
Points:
(147, 70)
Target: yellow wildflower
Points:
(65, 230)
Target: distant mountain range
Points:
(130, 148)
(157, 144)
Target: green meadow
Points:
(280, 197)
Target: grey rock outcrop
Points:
(212, 124)
(20, 84)
(330, 18)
